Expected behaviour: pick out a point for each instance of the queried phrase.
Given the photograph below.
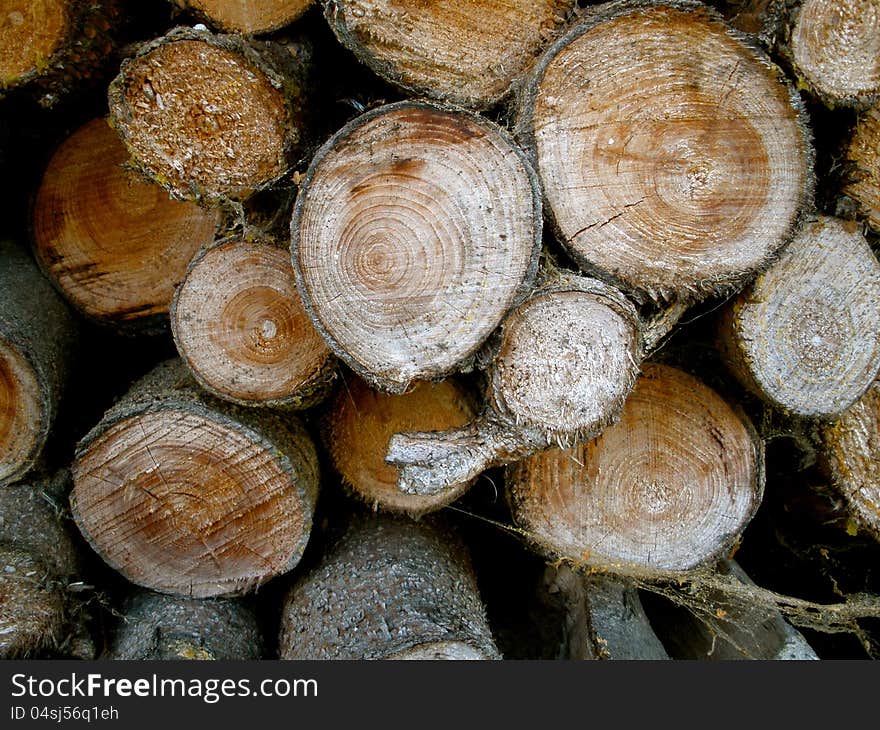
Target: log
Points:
(157, 627)
(833, 49)
(389, 588)
(668, 488)
(675, 159)
(760, 19)
(460, 53)
(249, 17)
(726, 630)
(805, 335)
(850, 456)
(416, 229)
(567, 359)
(39, 562)
(863, 158)
(360, 422)
(212, 117)
(114, 245)
(239, 325)
(37, 337)
(54, 47)
(188, 495)
(603, 617)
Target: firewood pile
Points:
(457, 330)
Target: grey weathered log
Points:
(153, 626)
(37, 340)
(186, 494)
(389, 588)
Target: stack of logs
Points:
(481, 266)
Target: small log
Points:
(249, 17)
(154, 627)
(38, 562)
(760, 19)
(212, 117)
(459, 53)
(360, 422)
(863, 155)
(389, 588)
(239, 325)
(567, 359)
(603, 617)
(416, 229)
(53, 47)
(851, 457)
(37, 336)
(833, 49)
(192, 496)
(805, 335)
(668, 488)
(674, 157)
(114, 245)
(725, 630)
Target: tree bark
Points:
(567, 359)
(460, 53)
(114, 245)
(192, 496)
(863, 156)
(52, 47)
(726, 631)
(249, 17)
(416, 229)
(833, 50)
(388, 589)
(360, 422)
(675, 158)
(154, 627)
(851, 457)
(39, 561)
(668, 488)
(212, 117)
(239, 325)
(37, 336)
(805, 335)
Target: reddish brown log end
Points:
(249, 17)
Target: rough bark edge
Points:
(286, 73)
(522, 113)
(466, 363)
(313, 391)
(169, 386)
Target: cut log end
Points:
(31, 31)
(115, 245)
(676, 161)
(852, 457)
(239, 324)
(202, 118)
(415, 231)
(834, 46)
(461, 53)
(23, 420)
(360, 424)
(806, 334)
(247, 16)
(667, 488)
(863, 156)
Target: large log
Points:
(37, 337)
(188, 495)
(153, 626)
(674, 157)
(460, 53)
(212, 117)
(416, 229)
(666, 489)
(239, 325)
(388, 589)
(249, 17)
(805, 335)
(113, 244)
